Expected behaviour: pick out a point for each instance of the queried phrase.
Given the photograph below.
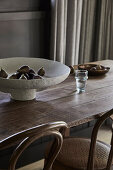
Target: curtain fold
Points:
(87, 31)
(105, 28)
(58, 29)
(65, 30)
(96, 31)
(73, 31)
(81, 30)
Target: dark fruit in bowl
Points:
(13, 76)
(23, 69)
(72, 71)
(3, 73)
(24, 72)
(31, 76)
(93, 69)
(31, 71)
(23, 77)
(37, 77)
(18, 75)
(26, 75)
(99, 67)
(41, 72)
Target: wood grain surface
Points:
(58, 103)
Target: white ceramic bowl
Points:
(21, 89)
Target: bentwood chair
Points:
(85, 154)
(28, 136)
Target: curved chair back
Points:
(30, 135)
(90, 165)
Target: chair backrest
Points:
(101, 119)
(28, 136)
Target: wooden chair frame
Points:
(90, 165)
(30, 135)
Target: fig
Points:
(23, 77)
(31, 76)
(71, 69)
(26, 75)
(14, 76)
(3, 73)
(18, 75)
(98, 67)
(31, 71)
(23, 69)
(37, 77)
(93, 69)
(41, 72)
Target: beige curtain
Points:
(65, 30)
(96, 31)
(81, 30)
(87, 31)
(104, 41)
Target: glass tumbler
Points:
(81, 77)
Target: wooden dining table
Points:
(58, 103)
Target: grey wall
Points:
(24, 28)
(23, 5)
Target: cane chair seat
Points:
(85, 154)
(75, 151)
(74, 154)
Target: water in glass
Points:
(81, 77)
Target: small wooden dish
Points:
(94, 69)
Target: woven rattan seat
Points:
(85, 154)
(74, 153)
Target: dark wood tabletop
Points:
(58, 103)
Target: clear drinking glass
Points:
(81, 77)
